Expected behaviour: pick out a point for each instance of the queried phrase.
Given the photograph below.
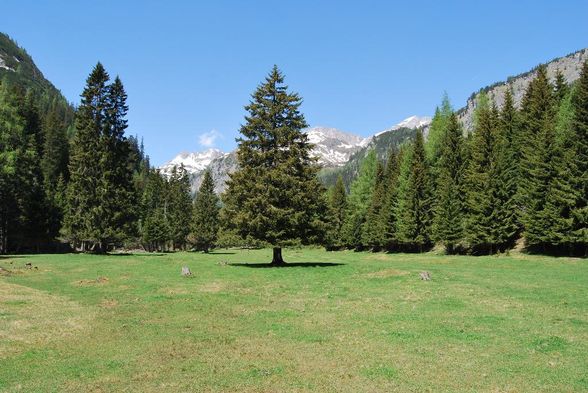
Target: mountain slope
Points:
(569, 65)
(17, 67)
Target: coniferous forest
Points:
(71, 178)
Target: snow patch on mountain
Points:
(332, 147)
(193, 162)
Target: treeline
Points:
(34, 128)
(521, 174)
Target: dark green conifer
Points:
(275, 195)
(373, 234)
(448, 218)
(414, 212)
(480, 205)
(206, 215)
(179, 207)
(537, 161)
(338, 211)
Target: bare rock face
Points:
(570, 66)
(186, 271)
(425, 276)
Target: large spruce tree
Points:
(479, 222)
(414, 207)
(179, 207)
(537, 161)
(275, 196)
(449, 206)
(100, 195)
(205, 225)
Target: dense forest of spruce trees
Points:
(71, 179)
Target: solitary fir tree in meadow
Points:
(275, 196)
(205, 224)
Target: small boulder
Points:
(186, 271)
(425, 276)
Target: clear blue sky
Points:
(190, 66)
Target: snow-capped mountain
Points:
(193, 162)
(333, 147)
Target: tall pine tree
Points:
(414, 208)
(275, 196)
(448, 219)
(205, 224)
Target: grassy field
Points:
(347, 322)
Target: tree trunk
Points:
(277, 260)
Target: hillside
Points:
(17, 66)
(569, 65)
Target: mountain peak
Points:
(192, 161)
(413, 122)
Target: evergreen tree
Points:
(83, 216)
(414, 212)
(206, 215)
(390, 189)
(537, 161)
(437, 129)
(154, 227)
(360, 197)
(373, 234)
(505, 176)
(449, 207)
(338, 211)
(480, 204)
(560, 87)
(100, 196)
(179, 209)
(275, 196)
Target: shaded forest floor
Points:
(335, 322)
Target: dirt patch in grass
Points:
(108, 303)
(387, 273)
(212, 287)
(36, 318)
(96, 281)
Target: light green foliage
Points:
(360, 197)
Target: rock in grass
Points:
(186, 271)
(425, 276)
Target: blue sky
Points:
(190, 66)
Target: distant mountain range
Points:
(332, 147)
(340, 153)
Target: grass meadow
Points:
(330, 322)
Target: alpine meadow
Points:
(445, 253)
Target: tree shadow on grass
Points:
(291, 264)
(130, 254)
(221, 253)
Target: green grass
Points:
(132, 323)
